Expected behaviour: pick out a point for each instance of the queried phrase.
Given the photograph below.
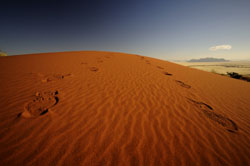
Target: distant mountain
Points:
(209, 60)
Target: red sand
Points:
(102, 108)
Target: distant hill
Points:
(209, 60)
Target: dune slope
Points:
(106, 108)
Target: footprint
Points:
(159, 67)
(183, 84)
(107, 56)
(84, 63)
(202, 105)
(168, 74)
(54, 77)
(94, 69)
(220, 119)
(100, 61)
(40, 105)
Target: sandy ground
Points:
(102, 108)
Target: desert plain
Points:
(108, 108)
(240, 67)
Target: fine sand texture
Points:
(105, 108)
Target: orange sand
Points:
(103, 108)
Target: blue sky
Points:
(171, 30)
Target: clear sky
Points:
(165, 29)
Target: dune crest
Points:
(107, 108)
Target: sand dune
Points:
(105, 108)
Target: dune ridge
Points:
(107, 108)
